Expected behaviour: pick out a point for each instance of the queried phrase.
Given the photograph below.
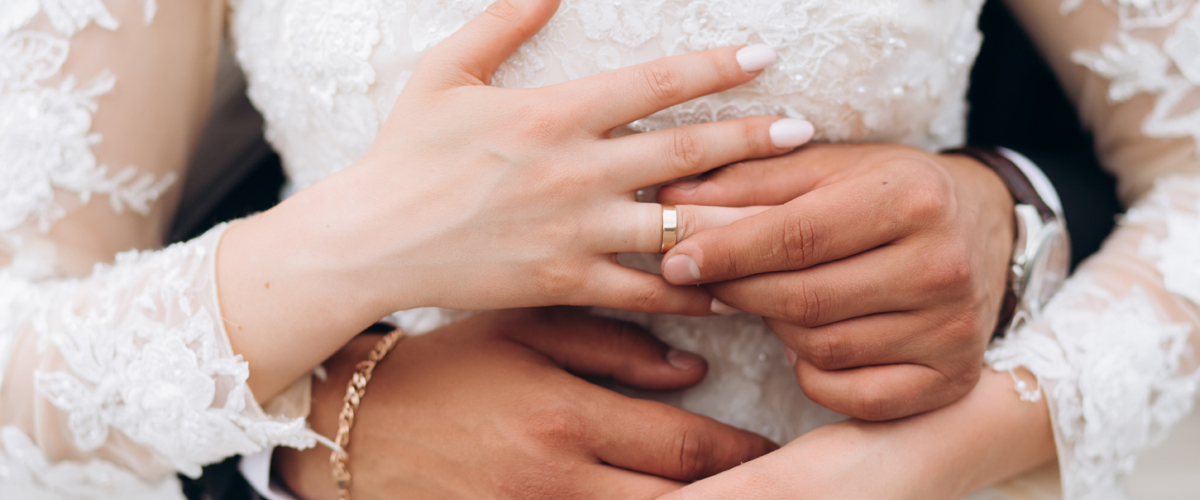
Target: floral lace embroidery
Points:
(325, 75)
(149, 357)
(45, 131)
(1117, 373)
(1136, 64)
(26, 473)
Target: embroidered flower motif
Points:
(148, 359)
(1137, 65)
(1184, 47)
(435, 20)
(708, 24)
(328, 43)
(26, 473)
(45, 132)
(628, 22)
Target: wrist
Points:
(294, 286)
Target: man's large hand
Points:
(883, 268)
(483, 409)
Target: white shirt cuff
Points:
(256, 469)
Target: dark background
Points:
(1014, 102)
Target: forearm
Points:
(297, 282)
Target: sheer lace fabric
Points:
(1116, 353)
(112, 376)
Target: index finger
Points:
(824, 225)
(624, 95)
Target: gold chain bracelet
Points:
(355, 390)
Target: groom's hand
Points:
(882, 268)
(486, 409)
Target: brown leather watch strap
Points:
(1023, 192)
(1018, 184)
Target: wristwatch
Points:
(1042, 250)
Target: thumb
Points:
(471, 55)
(602, 347)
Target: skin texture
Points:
(486, 409)
(478, 197)
(988, 436)
(881, 267)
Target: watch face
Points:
(1048, 268)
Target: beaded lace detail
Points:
(46, 136)
(133, 377)
(1117, 364)
(1116, 351)
(1140, 61)
(325, 73)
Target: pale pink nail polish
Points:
(719, 307)
(754, 58)
(683, 360)
(790, 132)
(791, 355)
(681, 270)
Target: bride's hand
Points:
(478, 197)
(988, 436)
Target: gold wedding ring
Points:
(670, 235)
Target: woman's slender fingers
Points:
(471, 55)
(876, 393)
(767, 181)
(664, 155)
(641, 231)
(877, 281)
(618, 287)
(658, 439)
(617, 97)
(881, 339)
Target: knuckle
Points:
(661, 83)
(513, 15)
(802, 304)
(948, 270)
(686, 152)
(553, 425)
(647, 299)
(756, 136)
(827, 351)
(928, 193)
(694, 449)
(798, 242)
(870, 405)
(540, 119)
(556, 279)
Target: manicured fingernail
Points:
(790, 132)
(754, 58)
(719, 307)
(681, 270)
(791, 355)
(683, 360)
(687, 185)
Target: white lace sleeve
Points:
(115, 369)
(1117, 351)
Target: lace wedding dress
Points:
(116, 375)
